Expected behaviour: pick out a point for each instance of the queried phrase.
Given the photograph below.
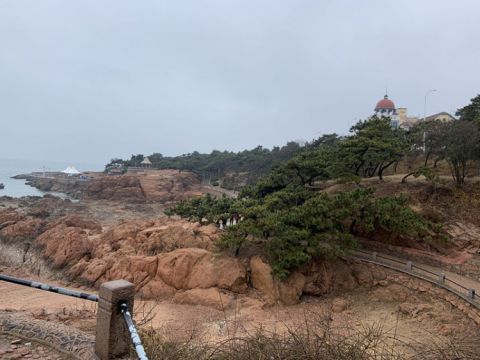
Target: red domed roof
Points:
(385, 103)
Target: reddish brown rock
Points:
(169, 234)
(175, 267)
(262, 279)
(63, 245)
(323, 277)
(120, 188)
(23, 230)
(206, 297)
(339, 305)
(10, 215)
(79, 222)
(286, 292)
(218, 271)
(157, 290)
(290, 290)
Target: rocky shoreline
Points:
(152, 186)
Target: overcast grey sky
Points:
(88, 80)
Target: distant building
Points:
(399, 117)
(441, 116)
(386, 108)
(146, 163)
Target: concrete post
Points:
(112, 338)
(441, 278)
(409, 265)
(374, 255)
(471, 293)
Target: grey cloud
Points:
(89, 80)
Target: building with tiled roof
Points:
(399, 117)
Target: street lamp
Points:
(425, 103)
(425, 117)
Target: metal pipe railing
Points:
(50, 288)
(123, 307)
(137, 343)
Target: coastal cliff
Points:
(152, 186)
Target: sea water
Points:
(18, 188)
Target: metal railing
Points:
(54, 289)
(122, 305)
(137, 343)
(437, 278)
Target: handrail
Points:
(123, 307)
(137, 343)
(54, 289)
(438, 279)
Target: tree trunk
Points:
(426, 158)
(382, 168)
(404, 179)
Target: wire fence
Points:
(127, 316)
(438, 278)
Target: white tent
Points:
(70, 170)
(146, 161)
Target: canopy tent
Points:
(146, 161)
(70, 170)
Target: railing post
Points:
(409, 265)
(112, 338)
(471, 293)
(441, 278)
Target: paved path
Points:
(219, 191)
(458, 283)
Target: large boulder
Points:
(9, 216)
(317, 278)
(262, 279)
(23, 230)
(287, 292)
(323, 277)
(170, 234)
(63, 245)
(218, 271)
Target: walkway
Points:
(219, 191)
(464, 287)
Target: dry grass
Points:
(314, 340)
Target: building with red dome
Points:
(399, 118)
(386, 108)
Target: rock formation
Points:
(155, 185)
(166, 259)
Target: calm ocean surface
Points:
(17, 188)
